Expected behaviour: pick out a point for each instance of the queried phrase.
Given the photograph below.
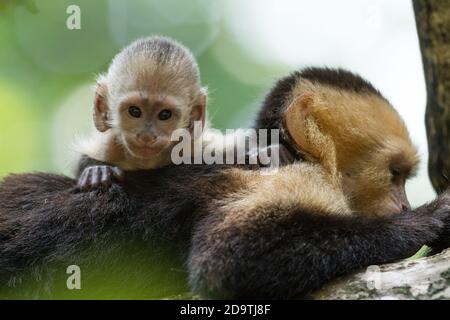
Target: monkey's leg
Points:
(274, 252)
(96, 176)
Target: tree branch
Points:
(425, 278)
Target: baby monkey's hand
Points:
(96, 176)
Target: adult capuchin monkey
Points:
(340, 208)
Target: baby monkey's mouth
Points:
(147, 150)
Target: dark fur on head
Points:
(275, 102)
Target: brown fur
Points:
(354, 134)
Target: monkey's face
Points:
(375, 158)
(376, 179)
(146, 123)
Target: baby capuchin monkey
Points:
(151, 88)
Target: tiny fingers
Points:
(105, 175)
(97, 176)
(83, 180)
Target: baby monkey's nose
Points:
(146, 138)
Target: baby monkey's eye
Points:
(395, 172)
(134, 111)
(164, 114)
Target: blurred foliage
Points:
(29, 4)
(42, 63)
(19, 129)
(45, 67)
(124, 270)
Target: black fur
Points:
(46, 224)
(266, 251)
(340, 79)
(291, 253)
(276, 253)
(275, 103)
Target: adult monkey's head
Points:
(340, 121)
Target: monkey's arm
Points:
(92, 173)
(43, 218)
(274, 252)
(267, 251)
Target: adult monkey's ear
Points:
(301, 125)
(101, 112)
(198, 112)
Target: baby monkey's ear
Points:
(198, 112)
(301, 125)
(101, 110)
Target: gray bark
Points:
(425, 278)
(433, 27)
